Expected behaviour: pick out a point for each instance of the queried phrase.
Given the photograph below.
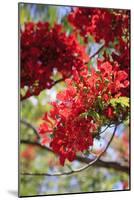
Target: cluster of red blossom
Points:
(74, 121)
(106, 24)
(103, 24)
(123, 60)
(44, 48)
(81, 109)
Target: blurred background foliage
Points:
(36, 159)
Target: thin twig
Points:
(92, 56)
(37, 144)
(28, 124)
(105, 129)
(53, 84)
(58, 81)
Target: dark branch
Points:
(100, 132)
(54, 83)
(28, 124)
(90, 162)
(37, 144)
(58, 81)
(99, 163)
(106, 164)
(92, 56)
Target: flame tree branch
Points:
(87, 161)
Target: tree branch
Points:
(106, 164)
(28, 124)
(58, 81)
(90, 162)
(54, 83)
(92, 56)
(109, 125)
(98, 163)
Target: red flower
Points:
(123, 61)
(109, 112)
(42, 50)
(100, 23)
(75, 115)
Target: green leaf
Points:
(123, 101)
(24, 15)
(52, 15)
(68, 27)
(84, 115)
(90, 113)
(86, 152)
(93, 114)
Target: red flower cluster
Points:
(85, 105)
(44, 48)
(123, 60)
(104, 24)
(82, 108)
